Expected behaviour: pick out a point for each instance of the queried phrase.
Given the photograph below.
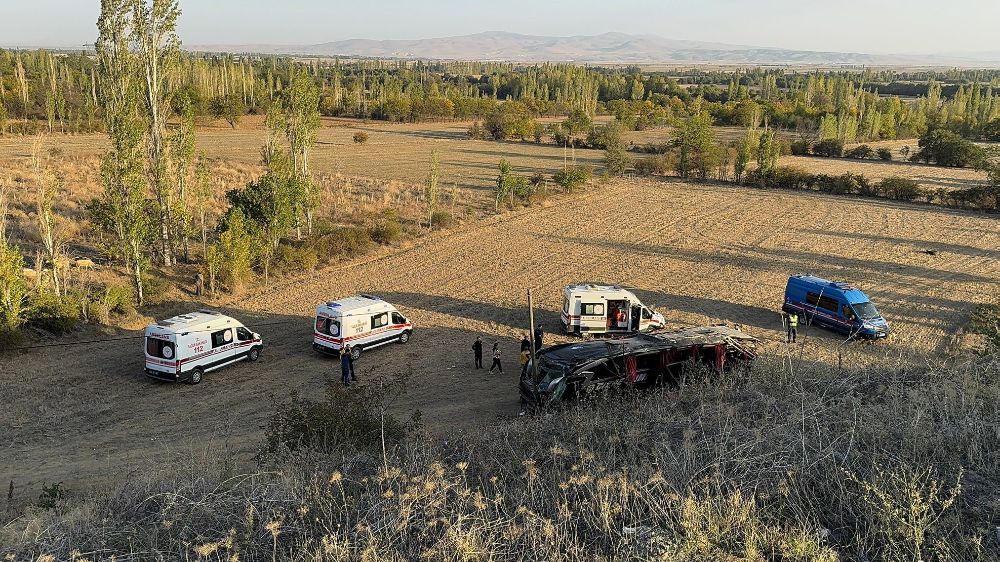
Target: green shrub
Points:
(155, 289)
(986, 322)
(442, 219)
(863, 152)
(53, 313)
(292, 259)
(386, 228)
(572, 177)
(884, 154)
(846, 184)
(347, 420)
(103, 302)
(945, 148)
(658, 165)
(829, 148)
(52, 496)
(789, 177)
(343, 241)
(900, 189)
(800, 147)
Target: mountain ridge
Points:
(605, 48)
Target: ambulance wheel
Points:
(404, 337)
(356, 352)
(254, 354)
(195, 377)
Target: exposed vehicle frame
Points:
(640, 361)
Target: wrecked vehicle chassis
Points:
(640, 361)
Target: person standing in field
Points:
(525, 356)
(477, 351)
(496, 359)
(539, 334)
(346, 365)
(525, 343)
(793, 326)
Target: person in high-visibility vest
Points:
(793, 326)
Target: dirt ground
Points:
(698, 253)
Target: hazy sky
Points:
(873, 26)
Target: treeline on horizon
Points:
(44, 91)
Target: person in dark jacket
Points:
(538, 337)
(525, 343)
(496, 359)
(346, 365)
(477, 351)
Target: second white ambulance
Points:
(185, 347)
(606, 309)
(362, 322)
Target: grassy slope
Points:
(818, 465)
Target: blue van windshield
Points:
(866, 310)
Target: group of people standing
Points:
(347, 361)
(497, 365)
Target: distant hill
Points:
(605, 48)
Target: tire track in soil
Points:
(80, 415)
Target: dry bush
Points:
(821, 466)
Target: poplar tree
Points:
(13, 289)
(432, 188)
(120, 212)
(745, 150)
(156, 48)
(47, 188)
(767, 155)
(299, 116)
(182, 149)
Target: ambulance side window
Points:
(397, 318)
(221, 338)
(380, 320)
(646, 314)
(243, 334)
(592, 309)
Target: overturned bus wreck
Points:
(641, 361)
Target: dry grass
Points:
(699, 253)
(877, 465)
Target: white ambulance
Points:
(185, 347)
(606, 309)
(362, 322)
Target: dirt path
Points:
(698, 253)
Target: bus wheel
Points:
(404, 337)
(196, 376)
(356, 352)
(254, 354)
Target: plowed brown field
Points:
(698, 253)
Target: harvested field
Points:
(929, 177)
(699, 253)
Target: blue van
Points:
(838, 306)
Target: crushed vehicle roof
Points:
(584, 352)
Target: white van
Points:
(606, 309)
(363, 322)
(185, 347)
